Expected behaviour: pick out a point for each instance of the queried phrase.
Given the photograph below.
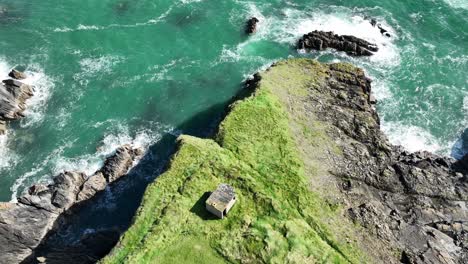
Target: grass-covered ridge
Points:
(277, 218)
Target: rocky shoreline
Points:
(413, 202)
(25, 224)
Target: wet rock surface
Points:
(18, 75)
(321, 40)
(251, 26)
(24, 224)
(414, 202)
(13, 96)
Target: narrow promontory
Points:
(316, 181)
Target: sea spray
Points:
(89, 163)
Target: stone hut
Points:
(221, 201)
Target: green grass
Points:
(277, 218)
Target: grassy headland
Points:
(278, 218)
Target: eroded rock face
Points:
(320, 40)
(414, 202)
(24, 224)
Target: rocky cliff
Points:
(414, 203)
(24, 224)
(316, 181)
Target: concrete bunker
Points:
(221, 200)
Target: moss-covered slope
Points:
(278, 217)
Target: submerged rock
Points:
(24, 224)
(251, 26)
(320, 40)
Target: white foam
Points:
(93, 66)
(35, 107)
(8, 158)
(190, 1)
(82, 27)
(88, 164)
(457, 3)
(342, 22)
(411, 138)
(42, 88)
(27, 179)
(102, 64)
(163, 70)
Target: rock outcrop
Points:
(24, 224)
(13, 96)
(15, 74)
(382, 30)
(320, 40)
(251, 26)
(414, 202)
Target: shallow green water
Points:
(117, 71)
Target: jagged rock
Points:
(251, 26)
(415, 202)
(93, 185)
(13, 95)
(66, 188)
(320, 40)
(25, 223)
(383, 31)
(15, 74)
(118, 165)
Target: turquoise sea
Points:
(111, 72)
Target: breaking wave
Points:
(88, 163)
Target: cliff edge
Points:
(316, 181)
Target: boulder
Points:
(118, 164)
(13, 96)
(251, 26)
(15, 74)
(24, 224)
(320, 40)
(93, 185)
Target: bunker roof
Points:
(221, 197)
